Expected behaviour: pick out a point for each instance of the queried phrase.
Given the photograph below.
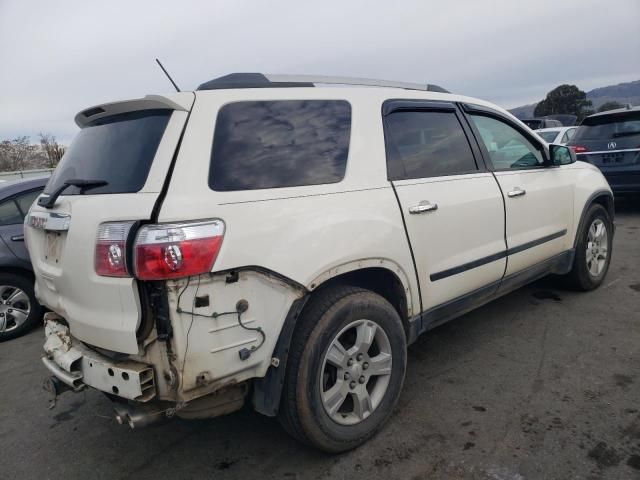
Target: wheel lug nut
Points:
(347, 376)
(361, 379)
(360, 356)
(350, 362)
(10, 310)
(352, 385)
(365, 365)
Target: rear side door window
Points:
(508, 148)
(13, 210)
(283, 143)
(422, 144)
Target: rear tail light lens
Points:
(110, 253)
(580, 149)
(165, 251)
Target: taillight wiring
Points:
(241, 307)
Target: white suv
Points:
(266, 238)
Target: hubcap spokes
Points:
(14, 307)
(597, 247)
(355, 372)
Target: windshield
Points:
(118, 149)
(549, 136)
(608, 127)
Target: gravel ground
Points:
(540, 384)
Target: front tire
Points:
(345, 369)
(19, 309)
(593, 250)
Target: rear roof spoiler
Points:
(180, 101)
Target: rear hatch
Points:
(610, 141)
(127, 148)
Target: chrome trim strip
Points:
(52, 221)
(610, 151)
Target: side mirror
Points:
(561, 155)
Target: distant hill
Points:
(623, 93)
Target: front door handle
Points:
(516, 192)
(423, 206)
(18, 238)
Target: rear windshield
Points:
(609, 127)
(118, 149)
(285, 143)
(549, 136)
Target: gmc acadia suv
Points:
(266, 238)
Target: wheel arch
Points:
(600, 197)
(378, 275)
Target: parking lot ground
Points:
(541, 384)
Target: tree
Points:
(609, 106)
(565, 99)
(14, 153)
(51, 148)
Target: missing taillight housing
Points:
(110, 255)
(165, 251)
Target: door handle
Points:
(423, 206)
(516, 192)
(18, 238)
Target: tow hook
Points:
(54, 387)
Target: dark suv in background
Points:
(611, 141)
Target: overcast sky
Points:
(57, 57)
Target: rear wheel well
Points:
(18, 271)
(379, 280)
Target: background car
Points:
(611, 141)
(536, 123)
(19, 309)
(559, 136)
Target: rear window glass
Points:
(9, 213)
(549, 136)
(285, 143)
(118, 149)
(426, 144)
(609, 127)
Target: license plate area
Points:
(53, 247)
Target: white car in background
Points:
(558, 135)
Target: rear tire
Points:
(593, 250)
(345, 369)
(19, 310)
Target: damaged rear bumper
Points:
(77, 366)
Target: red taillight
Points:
(110, 253)
(177, 250)
(580, 149)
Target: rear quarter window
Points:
(118, 149)
(282, 143)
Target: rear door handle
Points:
(422, 207)
(18, 238)
(516, 192)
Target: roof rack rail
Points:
(259, 80)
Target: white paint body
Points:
(306, 234)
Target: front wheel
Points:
(593, 250)
(345, 369)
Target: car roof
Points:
(555, 129)
(628, 108)
(12, 187)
